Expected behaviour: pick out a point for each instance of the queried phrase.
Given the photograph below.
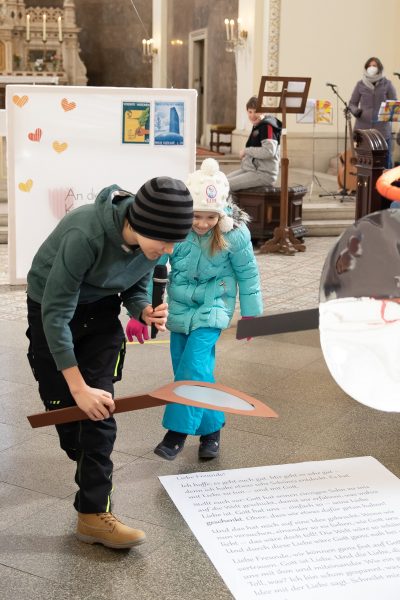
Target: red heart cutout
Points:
(36, 135)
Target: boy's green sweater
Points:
(83, 260)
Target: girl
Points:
(206, 271)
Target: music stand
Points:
(343, 193)
(292, 99)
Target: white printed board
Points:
(305, 531)
(65, 143)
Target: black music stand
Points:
(291, 98)
(343, 193)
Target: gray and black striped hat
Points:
(162, 210)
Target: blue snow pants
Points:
(193, 358)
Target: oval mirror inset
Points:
(212, 396)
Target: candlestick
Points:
(60, 34)
(28, 28)
(239, 26)
(44, 37)
(232, 23)
(227, 28)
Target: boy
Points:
(261, 156)
(98, 256)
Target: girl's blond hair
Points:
(217, 242)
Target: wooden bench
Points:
(217, 131)
(263, 206)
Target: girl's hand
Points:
(157, 316)
(244, 319)
(241, 154)
(137, 329)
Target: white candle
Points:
(149, 43)
(28, 28)
(144, 46)
(60, 35)
(227, 28)
(239, 24)
(232, 23)
(44, 28)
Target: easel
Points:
(290, 101)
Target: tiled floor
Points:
(40, 559)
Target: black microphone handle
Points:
(156, 300)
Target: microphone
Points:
(160, 279)
(398, 75)
(331, 85)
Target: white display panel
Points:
(65, 143)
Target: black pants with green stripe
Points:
(99, 344)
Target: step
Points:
(327, 228)
(318, 211)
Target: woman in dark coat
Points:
(367, 96)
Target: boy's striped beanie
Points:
(162, 210)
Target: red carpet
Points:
(206, 152)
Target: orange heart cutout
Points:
(20, 100)
(67, 105)
(36, 135)
(26, 187)
(60, 146)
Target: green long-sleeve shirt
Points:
(84, 260)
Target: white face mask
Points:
(372, 71)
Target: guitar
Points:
(347, 160)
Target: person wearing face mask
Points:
(368, 94)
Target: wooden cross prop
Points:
(192, 393)
(292, 98)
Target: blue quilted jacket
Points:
(203, 288)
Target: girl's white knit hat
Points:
(209, 188)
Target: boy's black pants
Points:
(99, 344)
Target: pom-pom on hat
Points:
(209, 188)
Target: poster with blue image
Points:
(169, 123)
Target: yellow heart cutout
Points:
(20, 100)
(60, 146)
(26, 187)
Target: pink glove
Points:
(243, 319)
(135, 328)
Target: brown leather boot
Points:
(106, 529)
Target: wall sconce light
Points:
(176, 43)
(148, 50)
(236, 37)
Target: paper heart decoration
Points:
(36, 135)
(60, 146)
(26, 187)
(67, 105)
(20, 100)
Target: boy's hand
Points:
(137, 329)
(97, 404)
(241, 154)
(157, 316)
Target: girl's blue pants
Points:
(193, 358)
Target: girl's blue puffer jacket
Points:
(203, 288)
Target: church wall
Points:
(190, 15)
(331, 42)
